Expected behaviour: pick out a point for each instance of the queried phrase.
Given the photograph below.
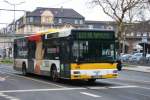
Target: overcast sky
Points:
(81, 6)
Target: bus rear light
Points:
(76, 72)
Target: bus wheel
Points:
(24, 70)
(54, 74)
(90, 81)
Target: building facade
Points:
(136, 35)
(44, 18)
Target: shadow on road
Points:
(72, 83)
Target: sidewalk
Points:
(137, 68)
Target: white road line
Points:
(90, 94)
(96, 88)
(117, 87)
(40, 90)
(128, 86)
(14, 99)
(61, 89)
(2, 95)
(40, 81)
(8, 97)
(2, 79)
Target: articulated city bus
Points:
(75, 54)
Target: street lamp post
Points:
(14, 19)
(144, 40)
(14, 8)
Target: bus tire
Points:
(91, 81)
(54, 73)
(24, 70)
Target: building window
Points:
(17, 24)
(138, 34)
(59, 20)
(30, 28)
(76, 21)
(132, 34)
(127, 34)
(90, 26)
(47, 19)
(110, 27)
(145, 34)
(30, 19)
(81, 21)
(103, 27)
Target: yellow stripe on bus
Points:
(89, 66)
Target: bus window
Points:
(92, 50)
(52, 49)
(80, 49)
(65, 51)
(31, 50)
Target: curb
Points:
(128, 69)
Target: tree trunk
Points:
(120, 36)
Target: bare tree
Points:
(118, 10)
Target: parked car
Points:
(125, 57)
(136, 57)
(148, 57)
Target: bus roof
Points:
(57, 33)
(67, 32)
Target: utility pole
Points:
(14, 8)
(14, 19)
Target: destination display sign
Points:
(94, 35)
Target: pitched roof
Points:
(98, 22)
(57, 12)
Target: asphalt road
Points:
(130, 85)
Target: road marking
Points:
(96, 88)
(2, 79)
(40, 90)
(8, 97)
(61, 89)
(40, 81)
(117, 87)
(14, 99)
(90, 94)
(128, 86)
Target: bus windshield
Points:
(93, 51)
